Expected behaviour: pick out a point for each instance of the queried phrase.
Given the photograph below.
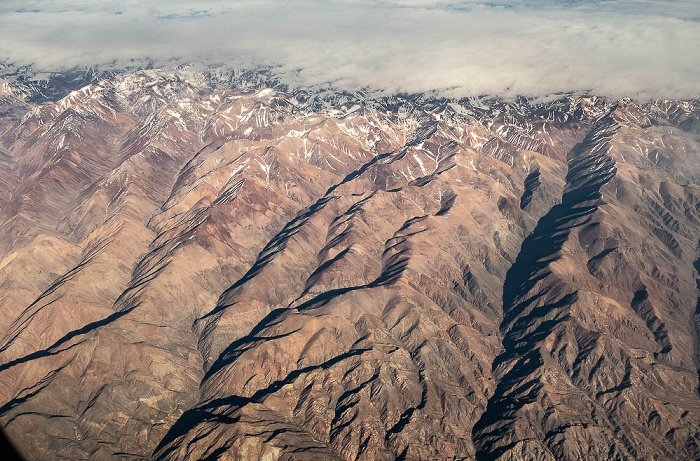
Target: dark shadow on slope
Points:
(446, 203)
(278, 243)
(642, 305)
(54, 348)
(319, 270)
(207, 410)
(31, 391)
(393, 268)
(273, 247)
(421, 134)
(532, 183)
(26, 316)
(526, 323)
(405, 417)
(346, 401)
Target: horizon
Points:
(508, 48)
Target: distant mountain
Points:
(208, 264)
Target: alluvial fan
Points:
(215, 266)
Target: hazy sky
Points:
(639, 48)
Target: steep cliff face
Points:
(194, 269)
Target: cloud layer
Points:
(639, 48)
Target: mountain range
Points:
(204, 264)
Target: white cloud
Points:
(642, 48)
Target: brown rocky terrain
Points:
(194, 267)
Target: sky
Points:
(638, 48)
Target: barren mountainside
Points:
(215, 266)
